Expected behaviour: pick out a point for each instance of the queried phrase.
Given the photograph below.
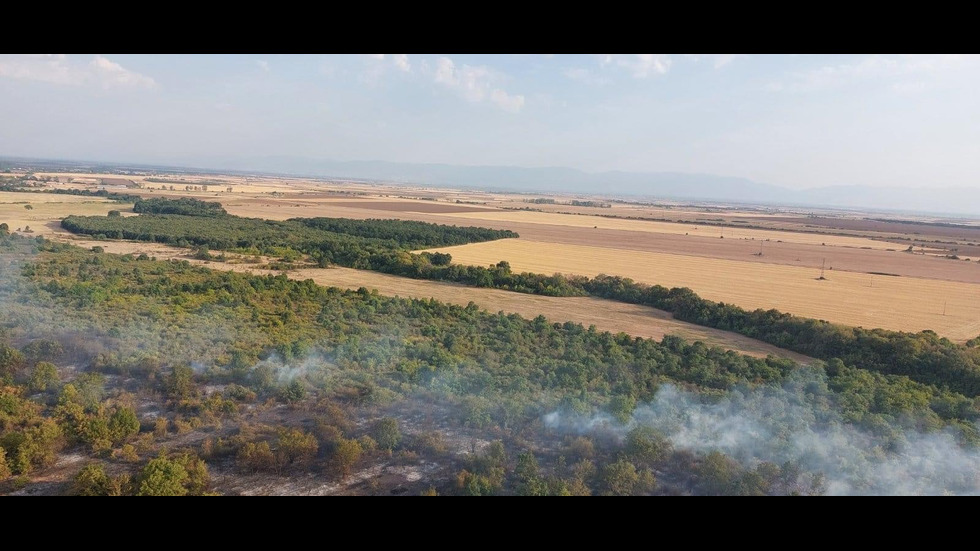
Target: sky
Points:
(794, 121)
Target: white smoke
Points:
(312, 366)
(791, 423)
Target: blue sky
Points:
(796, 121)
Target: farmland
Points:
(725, 263)
(899, 303)
(717, 232)
(47, 210)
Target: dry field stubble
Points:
(586, 221)
(47, 210)
(952, 309)
(774, 252)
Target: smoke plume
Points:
(797, 422)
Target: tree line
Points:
(183, 205)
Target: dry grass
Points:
(15, 197)
(585, 221)
(48, 209)
(900, 303)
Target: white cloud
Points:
(377, 66)
(112, 74)
(263, 64)
(718, 60)
(912, 87)
(476, 84)
(505, 101)
(401, 61)
(724, 59)
(891, 68)
(582, 74)
(59, 69)
(640, 65)
(51, 68)
(446, 71)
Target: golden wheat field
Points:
(586, 221)
(899, 303)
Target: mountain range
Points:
(647, 185)
(617, 184)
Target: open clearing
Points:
(899, 303)
(47, 209)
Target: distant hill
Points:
(647, 185)
(669, 185)
(549, 179)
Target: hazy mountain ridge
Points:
(649, 185)
(673, 185)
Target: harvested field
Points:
(409, 206)
(15, 197)
(116, 181)
(773, 252)
(913, 230)
(585, 221)
(626, 210)
(899, 303)
(742, 249)
(47, 210)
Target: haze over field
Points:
(871, 131)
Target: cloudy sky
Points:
(796, 121)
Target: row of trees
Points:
(407, 233)
(121, 197)
(347, 242)
(184, 206)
